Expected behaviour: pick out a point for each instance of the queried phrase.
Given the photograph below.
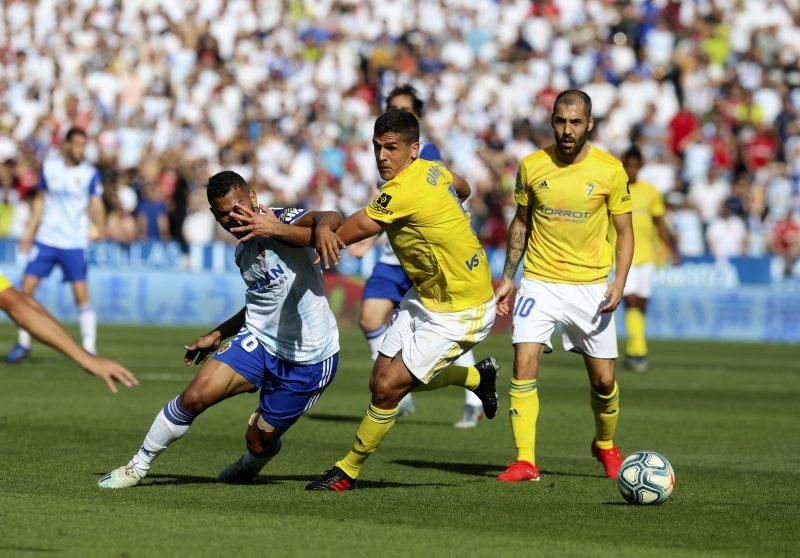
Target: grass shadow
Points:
(352, 419)
(154, 480)
(474, 469)
(561, 474)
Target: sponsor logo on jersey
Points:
(289, 215)
(380, 204)
(542, 186)
(571, 214)
(473, 262)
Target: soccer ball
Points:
(646, 477)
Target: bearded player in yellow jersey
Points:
(451, 306)
(648, 226)
(565, 194)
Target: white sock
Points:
(468, 359)
(24, 338)
(375, 340)
(87, 319)
(170, 424)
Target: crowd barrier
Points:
(766, 313)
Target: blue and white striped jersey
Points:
(286, 308)
(68, 191)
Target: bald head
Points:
(574, 98)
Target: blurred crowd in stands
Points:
(285, 92)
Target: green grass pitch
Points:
(726, 415)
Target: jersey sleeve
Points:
(657, 208)
(390, 204)
(288, 215)
(521, 186)
(96, 185)
(619, 199)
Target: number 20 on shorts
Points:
(523, 306)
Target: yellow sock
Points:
(524, 410)
(373, 429)
(606, 414)
(464, 376)
(635, 326)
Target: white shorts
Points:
(640, 281)
(539, 306)
(430, 341)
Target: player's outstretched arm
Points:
(462, 187)
(518, 231)
(624, 255)
(669, 239)
(37, 205)
(201, 349)
(31, 315)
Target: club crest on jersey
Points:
(589, 189)
(224, 348)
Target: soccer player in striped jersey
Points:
(284, 341)
(566, 194)
(68, 196)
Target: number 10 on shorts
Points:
(523, 306)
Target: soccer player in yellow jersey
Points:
(451, 306)
(565, 195)
(32, 316)
(648, 226)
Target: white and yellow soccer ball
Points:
(646, 477)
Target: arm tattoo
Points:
(518, 233)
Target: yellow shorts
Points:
(4, 283)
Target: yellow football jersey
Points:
(4, 283)
(647, 204)
(570, 207)
(431, 235)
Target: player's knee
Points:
(368, 322)
(603, 385)
(194, 400)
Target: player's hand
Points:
(201, 349)
(111, 371)
(25, 244)
(328, 245)
(263, 224)
(503, 294)
(613, 297)
(360, 248)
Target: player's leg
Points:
(605, 407)
(473, 408)
(291, 390)
(638, 289)
(422, 354)
(593, 334)
(75, 264)
(536, 309)
(373, 320)
(232, 371)
(635, 326)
